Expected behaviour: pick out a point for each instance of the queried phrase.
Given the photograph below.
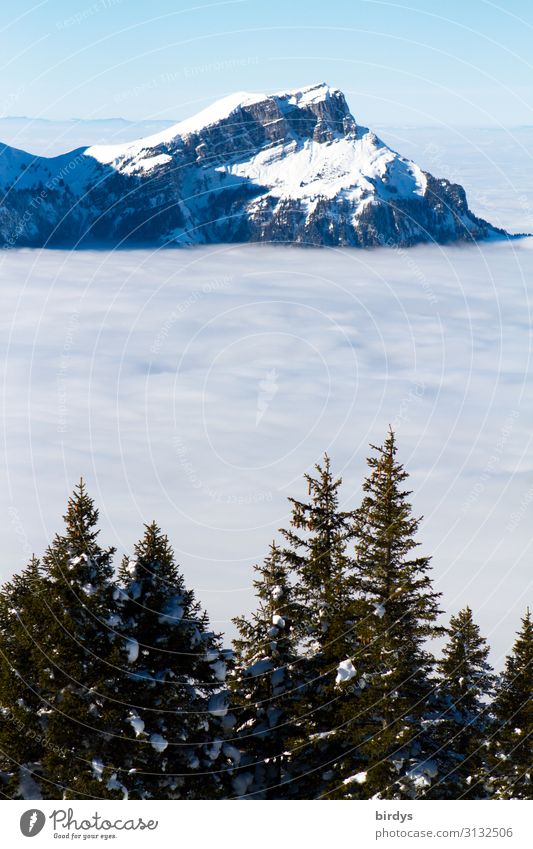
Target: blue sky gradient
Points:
(453, 63)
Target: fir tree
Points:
(316, 550)
(466, 686)
(21, 732)
(400, 612)
(265, 682)
(78, 656)
(511, 741)
(172, 743)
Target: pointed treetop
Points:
(74, 557)
(385, 463)
(154, 559)
(384, 521)
(81, 519)
(464, 664)
(317, 514)
(525, 634)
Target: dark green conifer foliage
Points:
(400, 613)
(467, 683)
(511, 740)
(176, 716)
(21, 731)
(77, 672)
(316, 550)
(116, 689)
(266, 682)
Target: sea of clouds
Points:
(197, 386)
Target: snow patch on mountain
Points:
(352, 169)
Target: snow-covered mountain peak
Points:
(319, 109)
(226, 106)
(309, 94)
(293, 166)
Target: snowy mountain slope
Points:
(292, 167)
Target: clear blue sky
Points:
(413, 61)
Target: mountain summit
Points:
(293, 167)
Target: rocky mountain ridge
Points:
(293, 168)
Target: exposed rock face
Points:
(293, 168)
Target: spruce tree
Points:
(400, 610)
(466, 684)
(172, 743)
(316, 550)
(21, 733)
(511, 739)
(78, 656)
(266, 682)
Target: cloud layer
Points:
(196, 387)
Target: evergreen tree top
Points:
(272, 574)
(464, 663)
(153, 589)
(29, 576)
(387, 473)
(522, 654)
(318, 555)
(81, 519)
(321, 512)
(153, 559)
(74, 556)
(384, 524)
